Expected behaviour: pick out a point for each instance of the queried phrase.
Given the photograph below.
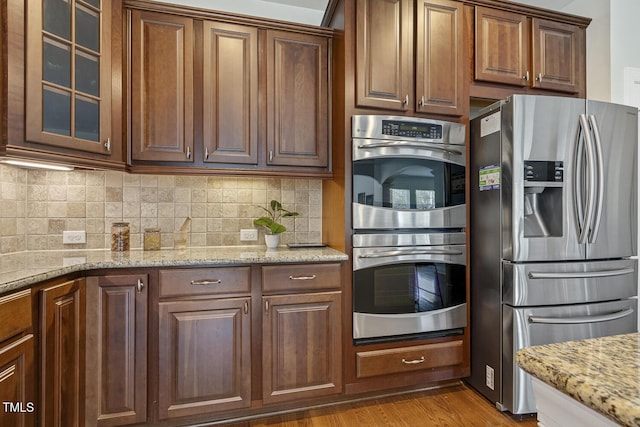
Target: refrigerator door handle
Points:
(600, 179)
(580, 274)
(578, 182)
(590, 202)
(582, 319)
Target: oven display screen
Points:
(411, 129)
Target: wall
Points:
(36, 206)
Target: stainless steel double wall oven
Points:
(409, 215)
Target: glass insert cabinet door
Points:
(68, 74)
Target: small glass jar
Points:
(151, 239)
(120, 236)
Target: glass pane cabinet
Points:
(68, 74)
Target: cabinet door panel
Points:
(556, 55)
(17, 382)
(68, 82)
(439, 57)
(502, 47)
(230, 90)
(204, 356)
(116, 391)
(161, 87)
(62, 354)
(297, 100)
(384, 50)
(301, 354)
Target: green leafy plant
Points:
(275, 213)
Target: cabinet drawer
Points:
(205, 281)
(15, 314)
(300, 277)
(407, 359)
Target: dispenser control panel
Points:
(543, 171)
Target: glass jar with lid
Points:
(120, 235)
(151, 239)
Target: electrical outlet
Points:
(490, 377)
(74, 237)
(247, 234)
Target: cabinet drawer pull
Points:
(206, 153)
(140, 286)
(107, 145)
(539, 78)
(266, 307)
(421, 103)
(413, 362)
(313, 276)
(406, 99)
(206, 282)
(188, 152)
(526, 77)
(270, 156)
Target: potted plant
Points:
(271, 223)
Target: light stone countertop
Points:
(22, 269)
(601, 373)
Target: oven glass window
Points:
(406, 183)
(408, 288)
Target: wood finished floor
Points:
(453, 406)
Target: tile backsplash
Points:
(36, 206)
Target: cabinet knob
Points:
(140, 286)
(107, 145)
(406, 99)
(539, 78)
(526, 77)
(266, 307)
(270, 156)
(188, 152)
(206, 152)
(246, 307)
(421, 103)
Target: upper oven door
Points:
(408, 184)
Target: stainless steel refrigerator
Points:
(553, 223)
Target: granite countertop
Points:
(601, 373)
(22, 269)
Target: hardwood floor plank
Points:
(454, 406)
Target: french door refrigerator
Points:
(553, 223)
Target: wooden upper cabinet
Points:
(230, 91)
(502, 47)
(68, 75)
(558, 55)
(384, 54)
(515, 49)
(162, 105)
(439, 57)
(297, 99)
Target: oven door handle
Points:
(581, 319)
(400, 252)
(411, 144)
(580, 275)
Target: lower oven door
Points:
(415, 290)
(527, 326)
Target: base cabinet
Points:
(62, 332)
(17, 370)
(205, 356)
(116, 347)
(301, 355)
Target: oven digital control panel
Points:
(411, 129)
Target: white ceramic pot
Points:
(272, 240)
